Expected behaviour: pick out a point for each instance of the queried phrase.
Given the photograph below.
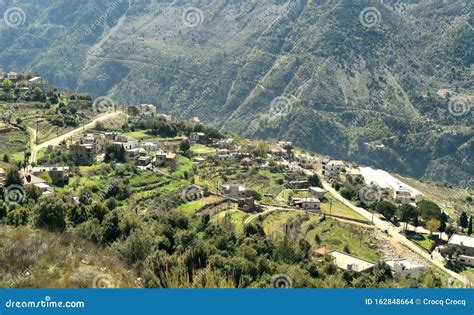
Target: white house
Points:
(234, 190)
(332, 169)
(196, 137)
(317, 192)
(12, 75)
(132, 154)
(405, 268)
(151, 146)
(466, 245)
(351, 263)
(146, 110)
(309, 204)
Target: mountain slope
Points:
(320, 73)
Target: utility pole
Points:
(37, 123)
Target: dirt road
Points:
(57, 140)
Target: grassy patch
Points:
(184, 165)
(191, 207)
(12, 143)
(202, 149)
(339, 209)
(336, 236)
(469, 273)
(424, 241)
(235, 216)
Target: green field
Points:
(336, 236)
(339, 209)
(202, 149)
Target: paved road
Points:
(57, 140)
(394, 232)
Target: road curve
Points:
(394, 232)
(57, 140)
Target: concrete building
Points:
(403, 195)
(150, 146)
(144, 161)
(317, 192)
(307, 161)
(466, 245)
(31, 180)
(332, 169)
(234, 190)
(401, 192)
(165, 159)
(225, 143)
(3, 175)
(405, 268)
(309, 204)
(146, 110)
(58, 174)
(38, 82)
(86, 149)
(197, 137)
(247, 204)
(12, 76)
(127, 145)
(351, 263)
(132, 154)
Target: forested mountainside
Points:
(384, 83)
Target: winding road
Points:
(394, 232)
(391, 229)
(35, 148)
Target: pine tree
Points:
(463, 221)
(469, 229)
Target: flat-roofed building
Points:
(86, 148)
(405, 268)
(317, 192)
(466, 246)
(59, 174)
(333, 168)
(351, 263)
(234, 190)
(309, 204)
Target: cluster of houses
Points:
(34, 178)
(402, 267)
(146, 155)
(348, 262)
(313, 203)
(238, 192)
(24, 82)
(401, 193)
